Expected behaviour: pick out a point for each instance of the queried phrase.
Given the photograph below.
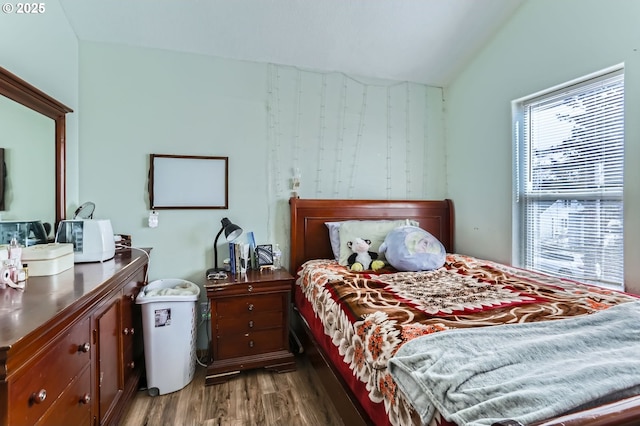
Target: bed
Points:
(365, 394)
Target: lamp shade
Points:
(231, 230)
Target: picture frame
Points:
(264, 254)
(188, 182)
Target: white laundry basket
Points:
(169, 330)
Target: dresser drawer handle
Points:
(251, 343)
(132, 365)
(39, 397)
(250, 288)
(250, 306)
(250, 324)
(85, 399)
(84, 347)
(128, 331)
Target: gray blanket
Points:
(527, 372)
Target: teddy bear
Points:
(362, 259)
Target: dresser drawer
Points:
(130, 325)
(45, 378)
(247, 323)
(132, 338)
(243, 306)
(250, 343)
(130, 364)
(74, 405)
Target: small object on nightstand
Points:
(277, 257)
(264, 254)
(214, 274)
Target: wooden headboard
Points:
(310, 236)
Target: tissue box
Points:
(48, 259)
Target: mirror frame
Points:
(18, 90)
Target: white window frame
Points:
(522, 247)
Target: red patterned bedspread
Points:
(362, 319)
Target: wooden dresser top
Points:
(50, 300)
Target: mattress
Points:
(362, 319)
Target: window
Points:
(568, 169)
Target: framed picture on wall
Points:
(188, 182)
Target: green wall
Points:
(546, 43)
(347, 137)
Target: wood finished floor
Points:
(256, 397)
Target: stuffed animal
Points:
(362, 259)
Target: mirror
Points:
(29, 184)
(18, 90)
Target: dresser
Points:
(71, 349)
(249, 324)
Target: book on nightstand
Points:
(253, 264)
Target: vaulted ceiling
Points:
(425, 41)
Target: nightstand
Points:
(249, 324)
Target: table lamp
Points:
(231, 232)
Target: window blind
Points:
(571, 195)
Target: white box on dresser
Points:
(48, 259)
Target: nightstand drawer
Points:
(247, 323)
(250, 343)
(249, 305)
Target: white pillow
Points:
(334, 237)
(374, 230)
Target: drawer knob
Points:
(132, 365)
(85, 399)
(132, 297)
(39, 397)
(250, 288)
(84, 347)
(250, 324)
(132, 330)
(251, 343)
(250, 306)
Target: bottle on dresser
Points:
(4, 264)
(15, 259)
